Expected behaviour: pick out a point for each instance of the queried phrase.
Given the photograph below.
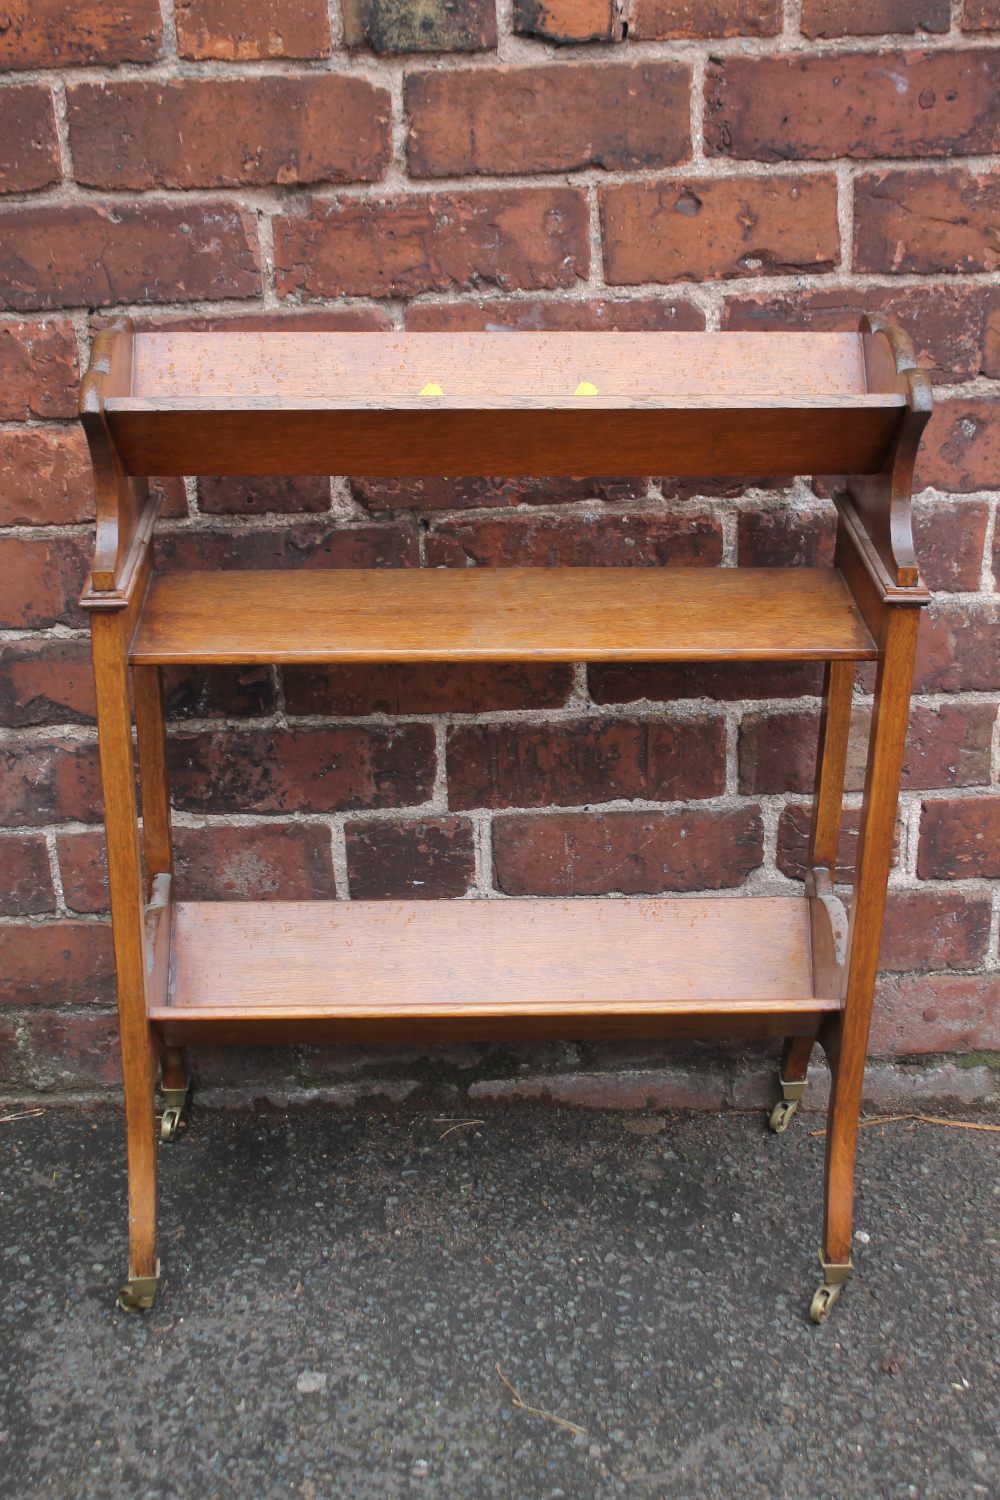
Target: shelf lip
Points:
(607, 401)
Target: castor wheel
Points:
(138, 1292)
(781, 1115)
(823, 1302)
(170, 1123)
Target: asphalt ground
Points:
(342, 1293)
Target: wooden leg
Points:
(114, 726)
(846, 1041)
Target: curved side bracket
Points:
(124, 513)
(882, 502)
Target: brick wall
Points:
(383, 164)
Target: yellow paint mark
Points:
(430, 389)
(585, 389)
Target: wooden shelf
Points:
(502, 614)
(393, 970)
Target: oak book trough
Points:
(851, 406)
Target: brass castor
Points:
(827, 1295)
(781, 1115)
(175, 1102)
(138, 1292)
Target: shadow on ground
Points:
(338, 1291)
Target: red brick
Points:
(792, 855)
(635, 853)
(555, 119)
(307, 545)
(71, 33)
(488, 494)
(29, 147)
(244, 30)
(208, 132)
(48, 781)
(873, 17)
(444, 687)
(423, 860)
(46, 477)
(586, 760)
(961, 446)
(991, 339)
(960, 839)
(935, 930)
(46, 682)
(936, 1013)
(667, 681)
(950, 536)
(388, 26)
(700, 229)
(566, 22)
(576, 541)
(172, 497)
(950, 326)
(854, 104)
(85, 254)
(42, 578)
(255, 497)
(268, 861)
(72, 1050)
(39, 370)
(218, 692)
(661, 20)
(792, 537)
(958, 648)
(981, 15)
(304, 770)
(433, 242)
(67, 962)
(538, 314)
(663, 1087)
(26, 888)
(348, 319)
(927, 223)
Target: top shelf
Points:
(527, 404)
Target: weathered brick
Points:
(873, 17)
(635, 853)
(304, 770)
(929, 929)
(792, 537)
(84, 254)
(950, 536)
(566, 22)
(12, 1057)
(244, 30)
(538, 314)
(216, 862)
(950, 326)
(26, 887)
(353, 318)
(981, 15)
(668, 1086)
(667, 681)
(854, 104)
(307, 545)
(792, 855)
(960, 839)
(29, 147)
(255, 497)
(39, 370)
(936, 1013)
(72, 1050)
(555, 119)
(422, 860)
(42, 578)
(700, 229)
(46, 477)
(218, 692)
(48, 781)
(46, 682)
(488, 494)
(958, 647)
(172, 497)
(207, 132)
(433, 242)
(71, 33)
(576, 541)
(662, 20)
(961, 446)
(442, 687)
(44, 961)
(927, 223)
(389, 26)
(585, 760)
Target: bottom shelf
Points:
(441, 970)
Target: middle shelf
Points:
(501, 614)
